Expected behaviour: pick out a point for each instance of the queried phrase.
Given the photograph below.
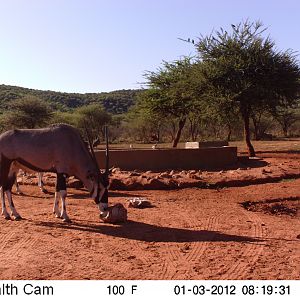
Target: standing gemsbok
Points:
(59, 149)
(15, 168)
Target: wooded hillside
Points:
(115, 102)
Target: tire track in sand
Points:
(4, 240)
(22, 248)
(14, 246)
(178, 257)
(251, 253)
(200, 246)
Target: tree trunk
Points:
(193, 131)
(178, 133)
(285, 129)
(246, 119)
(229, 133)
(255, 125)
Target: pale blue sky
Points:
(96, 45)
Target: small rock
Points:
(165, 175)
(192, 172)
(134, 174)
(194, 176)
(176, 176)
(75, 183)
(115, 170)
(131, 257)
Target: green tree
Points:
(69, 117)
(144, 124)
(92, 117)
(27, 112)
(173, 92)
(262, 121)
(244, 68)
(286, 117)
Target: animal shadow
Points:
(140, 231)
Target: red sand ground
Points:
(224, 232)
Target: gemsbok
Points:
(59, 149)
(14, 171)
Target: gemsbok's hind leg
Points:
(18, 190)
(41, 183)
(7, 180)
(4, 211)
(12, 206)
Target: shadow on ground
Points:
(152, 233)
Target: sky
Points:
(86, 46)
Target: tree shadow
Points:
(140, 231)
(248, 162)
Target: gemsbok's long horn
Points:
(106, 151)
(92, 149)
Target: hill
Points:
(115, 102)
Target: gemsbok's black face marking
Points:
(99, 192)
(102, 194)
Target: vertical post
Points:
(106, 150)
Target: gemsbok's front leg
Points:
(63, 215)
(61, 189)
(4, 211)
(55, 206)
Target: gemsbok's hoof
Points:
(57, 214)
(67, 220)
(43, 190)
(7, 217)
(18, 218)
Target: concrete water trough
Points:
(164, 159)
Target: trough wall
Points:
(162, 159)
